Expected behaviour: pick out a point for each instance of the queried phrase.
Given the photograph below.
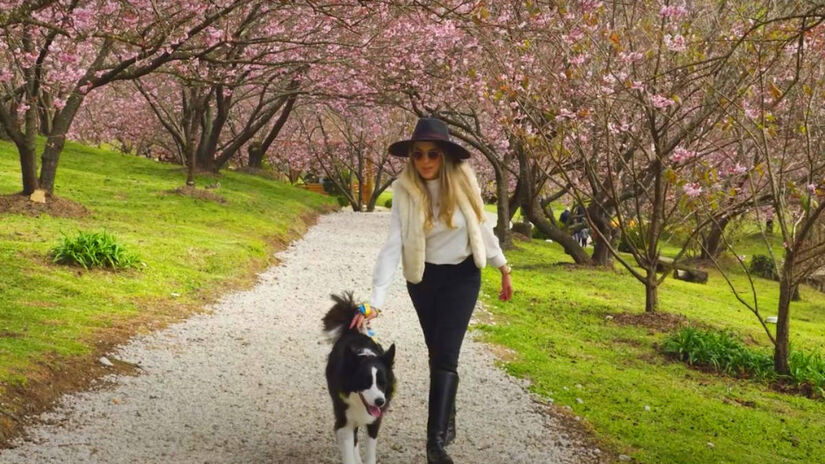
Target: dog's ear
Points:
(389, 355)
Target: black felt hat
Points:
(430, 130)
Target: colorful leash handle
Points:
(366, 310)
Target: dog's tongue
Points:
(374, 411)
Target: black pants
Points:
(444, 301)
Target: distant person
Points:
(580, 214)
(581, 235)
(565, 217)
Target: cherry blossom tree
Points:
(634, 122)
(52, 54)
(784, 121)
(347, 144)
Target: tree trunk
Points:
(45, 121)
(601, 253)
(28, 156)
(532, 212)
(190, 168)
(56, 141)
(531, 209)
(24, 140)
(502, 229)
(3, 134)
(710, 245)
(651, 292)
(782, 349)
(50, 158)
(28, 165)
(603, 234)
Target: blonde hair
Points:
(453, 181)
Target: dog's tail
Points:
(338, 318)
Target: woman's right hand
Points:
(360, 321)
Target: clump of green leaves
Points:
(93, 249)
(723, 352)
(763, 266)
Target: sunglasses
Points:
(432, 154)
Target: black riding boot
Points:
(449, 435)
(443, 385)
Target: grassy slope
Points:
(192, 248)
(557, 325)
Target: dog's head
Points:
(372, 378)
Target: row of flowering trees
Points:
(667, 119)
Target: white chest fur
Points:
(357, 415)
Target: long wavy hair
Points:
(453, 179)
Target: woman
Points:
(439, 230)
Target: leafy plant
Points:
(763, 266)
(631, 238)
(723, 352)
(93, 249)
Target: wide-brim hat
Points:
(430, 130)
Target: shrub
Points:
(388, 203)
(763, 266)
(93, 249)
(537, 234)
(808, 369)
(632, 239)
(723, 352)
(342, 200)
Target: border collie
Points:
(360, 380)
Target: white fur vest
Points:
(408, 199)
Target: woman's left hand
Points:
(506, 288)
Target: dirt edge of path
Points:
(575, 427)
(57, 376)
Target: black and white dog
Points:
(360, 380)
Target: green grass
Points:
(383, 197)
(558, 326)
(192, 249)
(493, 208)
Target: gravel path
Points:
(244, 383)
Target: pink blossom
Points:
(811, 189)
(676, 43)
(630, 57)
(59, 103)
(5, 75)
(692, 189)
(673, 12)
(660, 101)
(213, 36)
(564, 113)
(750, 112)
(682, 154)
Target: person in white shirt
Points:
(438, 229)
